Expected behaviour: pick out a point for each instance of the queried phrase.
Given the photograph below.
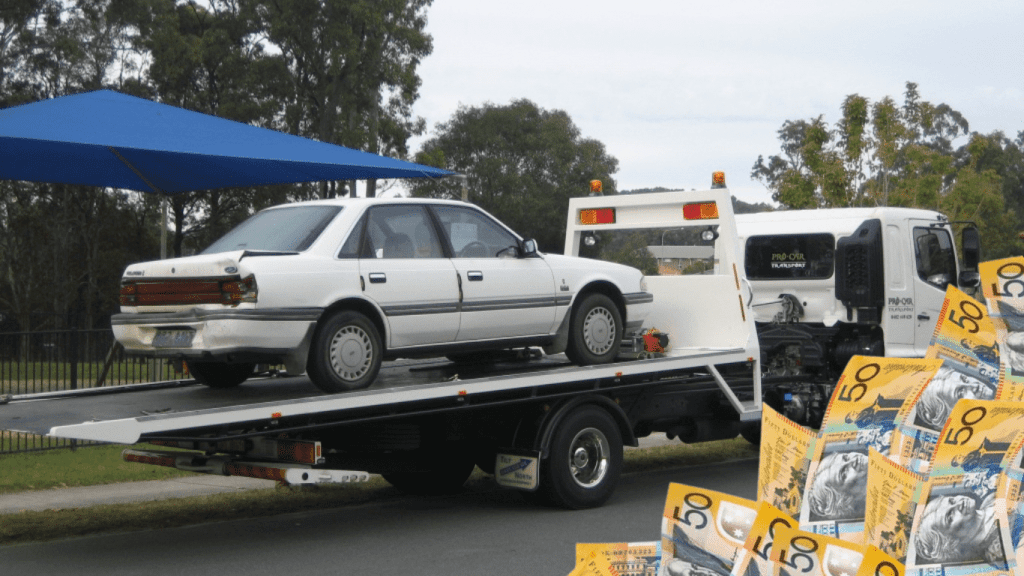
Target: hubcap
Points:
(599, 331)
(588, 457)
(351, 353)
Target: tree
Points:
(522, 163)
(352, 69)
(883, 154)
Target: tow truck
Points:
(537, 422)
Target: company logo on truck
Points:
(788, 260)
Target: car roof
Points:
(348, 201)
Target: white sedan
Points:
(333, 287)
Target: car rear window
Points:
(281, 229)
(782, 256)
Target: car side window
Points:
(401, 231)
(350, 249)
(472, 234)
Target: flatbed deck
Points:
(183, 409)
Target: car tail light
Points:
(229, 291)
(597, 216)
(700, 211)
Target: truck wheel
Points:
(439, 476)
(595, 331)
(220, 374)
(346, 353)
(584, 460)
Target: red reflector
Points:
(598, 216)
(275, 415)
(700, 211)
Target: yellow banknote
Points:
(755, 560)
(964, 333)
(703, 531)
(785, 457)
(626, 558)
(1012, 496)
(808, 554)
(1003, 284)
(878, 563)
(893, 493)
(862, 415)
(922, 418)
(593, 565)
(959, 527)
(871, 392)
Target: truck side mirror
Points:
(529, 248)
(971, 241)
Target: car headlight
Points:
(643, 284)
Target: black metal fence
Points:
(60, 360)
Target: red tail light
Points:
(163, 292)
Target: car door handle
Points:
(923, 317)
(378, 277)
(475, 276)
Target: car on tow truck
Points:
(334, 287)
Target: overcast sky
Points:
(676, 89)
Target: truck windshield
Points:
(280, 230)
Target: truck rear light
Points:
(700, 211)
(255, 471)
(229, 291)
(597, 216)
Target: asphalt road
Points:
(492, 532)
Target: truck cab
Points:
(831, 283)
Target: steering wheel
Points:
(474, 249)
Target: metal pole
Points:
(163, 228)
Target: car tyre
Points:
(346, 353)
(595, 331)
(584, 461)
(220, 374)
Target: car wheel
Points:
(595, 331)
(346, 353)
(584, 460)
(220, 374)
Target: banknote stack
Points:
(917, 469)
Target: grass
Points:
(86, 466)
(33, 526)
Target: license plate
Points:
(517, 470)
(173, 338)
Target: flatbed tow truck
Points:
(538, 423)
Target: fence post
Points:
(73, 345)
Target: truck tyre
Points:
(346, 353)
(220, 374)
(584, 460)
(595, 331)
(442, 475)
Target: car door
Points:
(935, 261)
(503, 296)
(405, 271)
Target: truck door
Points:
(935, 264)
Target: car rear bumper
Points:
(216, 334)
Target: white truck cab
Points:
(831, 283)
